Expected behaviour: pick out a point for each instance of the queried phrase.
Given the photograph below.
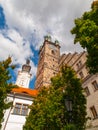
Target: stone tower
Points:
(95, 4)
(49, 55)
(24, 76)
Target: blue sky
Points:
(23, 24)
(2, 19)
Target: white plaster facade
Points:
(23, 79)
(22, 97)
(14, 121)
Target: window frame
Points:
(81, 74)
(79, 64)
(95, 85)
(53, 52)
(87, 92)
(20, 110)
(94, 112)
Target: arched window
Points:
(53, 52)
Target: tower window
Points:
(20, 109)
(53, 52)
(54, 73)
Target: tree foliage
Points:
(72, 88)
(86, 33)
(48, 111)
(5, 87)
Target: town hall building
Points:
(22, 98)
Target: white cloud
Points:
(12, 44)
(29, 20)
(47, 16)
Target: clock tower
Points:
(49, 55)
(24, 76)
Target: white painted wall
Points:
(23, 79)
(11, 121)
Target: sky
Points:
(24, 23)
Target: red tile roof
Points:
(31, 92)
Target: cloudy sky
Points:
(24, 23)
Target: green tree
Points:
(5, 87)
(86, 33)
(48, 111)
(72, 88)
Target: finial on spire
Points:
(57, 42)
(28, 61)
(48, 38)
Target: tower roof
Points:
(26, 67)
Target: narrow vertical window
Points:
(81, 75)
(87, 91)
(95, 84)
(93, 111)
(53, 52)
(79, 64)
(53, 73)
(24, 110)
(17, 109)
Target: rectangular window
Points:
(24, 110)
(79, 64)
(20, 109)
(93, 111)
(95, 84)
(81, 75)
(17, 108)
(87, 91)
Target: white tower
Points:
(24, 76)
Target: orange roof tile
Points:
(31, 92)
